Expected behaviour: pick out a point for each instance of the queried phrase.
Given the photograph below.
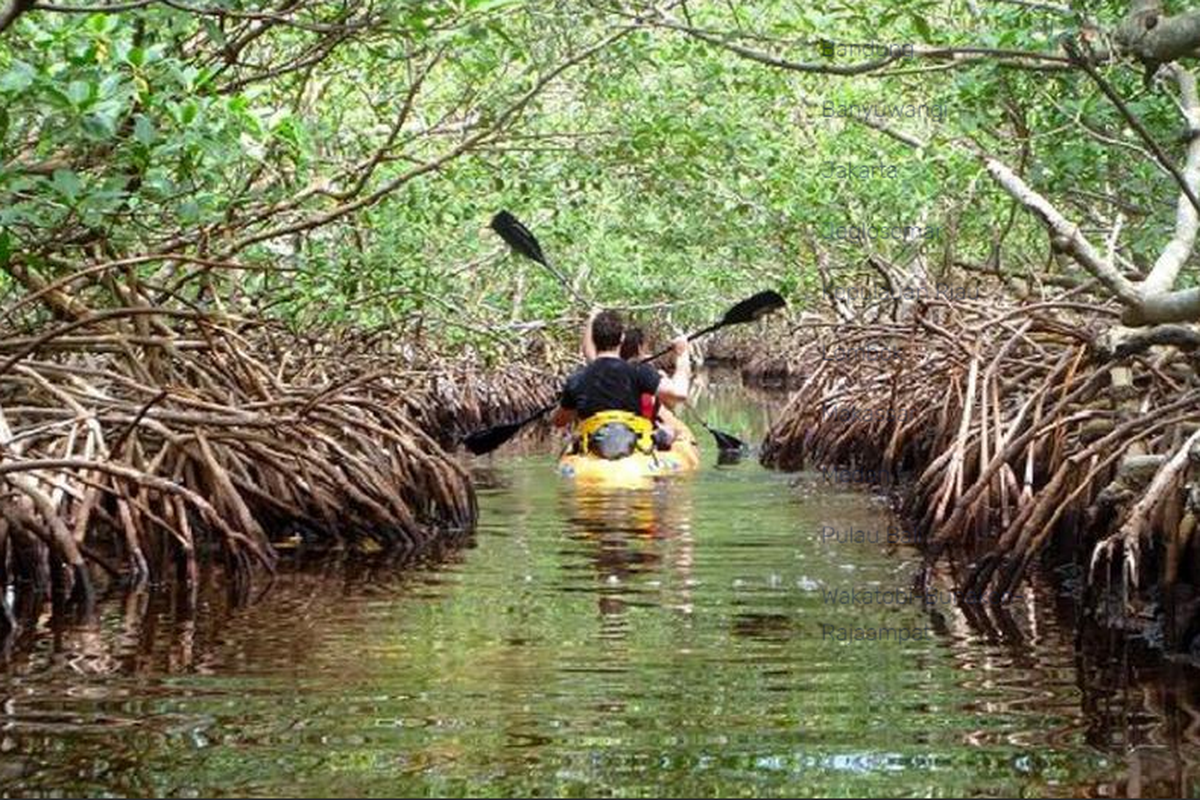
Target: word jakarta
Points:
(836, 169)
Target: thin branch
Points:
(1077, 58)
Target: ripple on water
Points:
(665, 642)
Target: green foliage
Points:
(661, 170)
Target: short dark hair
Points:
(607, 328)
(631, 345)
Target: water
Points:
(670, 642)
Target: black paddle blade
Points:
(519, 237)
(726, 442)
(487, 440)
(754, 307)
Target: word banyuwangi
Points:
(935, 111)
(856, 475)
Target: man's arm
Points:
(674, 389)
(568, 401)
(589, 346)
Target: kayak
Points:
(632, 470)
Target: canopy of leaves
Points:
(354, 152)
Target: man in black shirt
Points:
(610, 383)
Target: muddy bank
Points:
(1014, 433)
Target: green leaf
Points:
(100, 126)
(922, 26)
(5, 248)
(490, 5)
(188, 112)
(189, 211)
(143, 130)
(214, 33)
(67, 184)
(58, 98)
(80, 93)
(17, 79)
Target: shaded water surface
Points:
(678, 641)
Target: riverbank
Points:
(139, 458)
(1013, 433)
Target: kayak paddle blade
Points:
(517, 236)
(485, 441)
(726, 442)
(753, 308)
(488, 439)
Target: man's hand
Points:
(675, 389)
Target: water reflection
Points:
(629, 534)
(585, 642)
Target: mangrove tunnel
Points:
(599, 398)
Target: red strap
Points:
(648, 406)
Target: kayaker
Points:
(612, 384)
(633, 348)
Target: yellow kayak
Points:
(639, 468)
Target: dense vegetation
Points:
(351, 153)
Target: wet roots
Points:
(140, 449)
(1013, 426)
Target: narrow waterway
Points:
(696, 639)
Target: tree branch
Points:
(13, 10)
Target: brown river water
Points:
(696, 639)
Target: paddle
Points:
(725, 442)
(522, 240)
(748, 310)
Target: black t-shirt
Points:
(609, 384)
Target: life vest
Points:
(648, 404)
(602, 428)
